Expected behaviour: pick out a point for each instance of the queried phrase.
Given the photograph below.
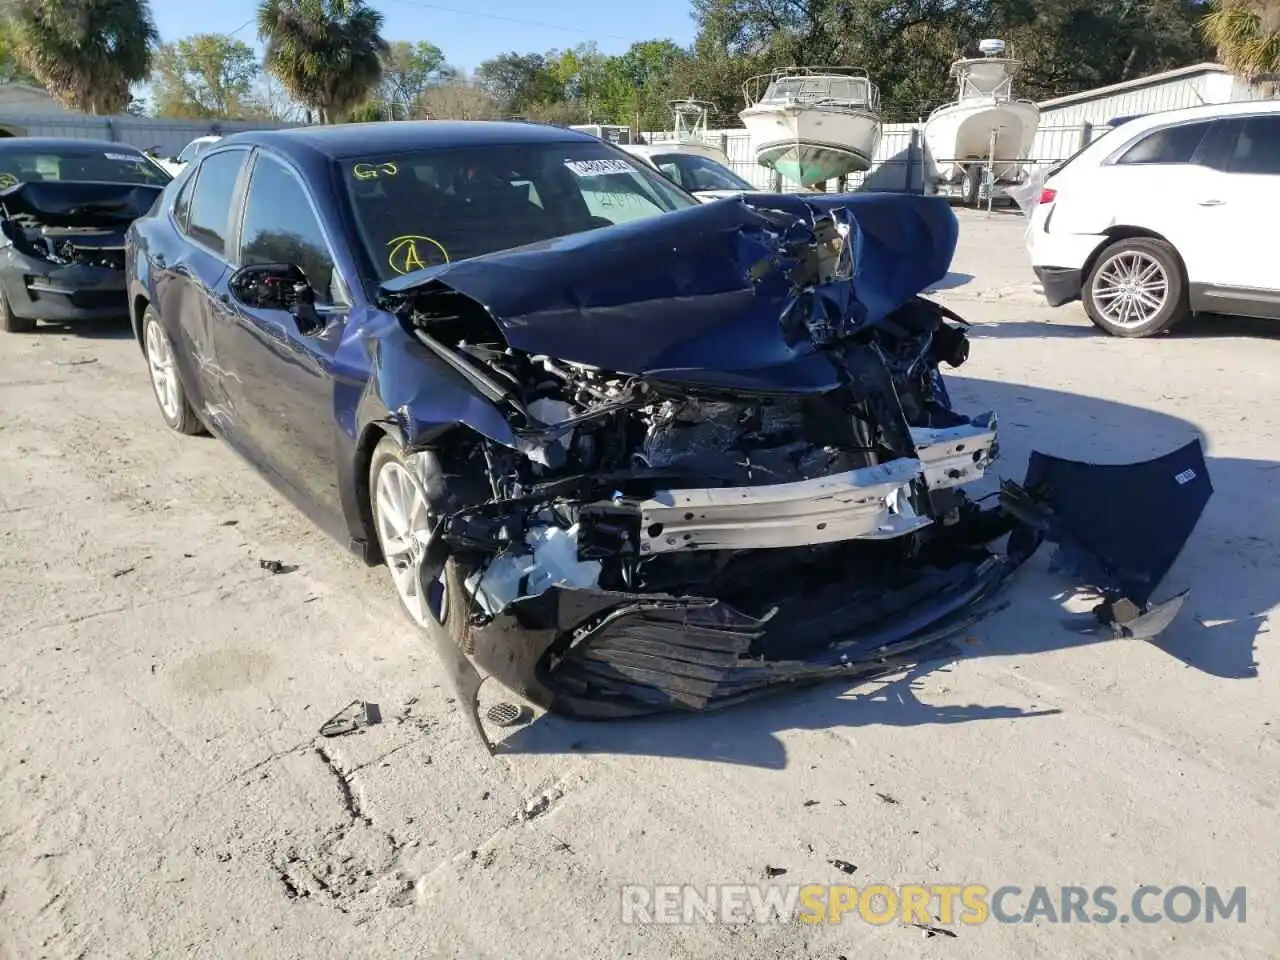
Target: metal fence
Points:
(899, 163)
(170, 136)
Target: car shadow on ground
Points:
(1075, 325)
(115, 328)
(1069, 328)
(1204, 325)
(1228, 564)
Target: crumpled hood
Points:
(75, 203)
(701, 294)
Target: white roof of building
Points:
(1097, 93)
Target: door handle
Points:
(158, 259)
(1212, 203)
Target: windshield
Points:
(699, 173)
(104, 164)
(194, 149)
(415, 210)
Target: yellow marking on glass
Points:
(371, 171)
(403, 256)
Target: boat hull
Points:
(809, 145)
(959, 134)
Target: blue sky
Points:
(468, 31)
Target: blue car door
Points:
(283, 388)
(191, 271)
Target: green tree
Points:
(1246, 34)
(907, 45)
(208, 75)
(408, 69)
(87, 53)
(12, 69)
(518, 81)
(327, 53)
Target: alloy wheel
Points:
(164, 373)
(404, 523)
(1131, 288)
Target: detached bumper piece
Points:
(1118, 528)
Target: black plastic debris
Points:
(844, 866)
(271, 566)
(355, 716)
(934, 931)
(772, 872)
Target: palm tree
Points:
(1247, 36)
(327, 53)
(87, 53)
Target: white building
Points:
(1184, 87)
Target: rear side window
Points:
(182, 205)
(1170, 145)
(211, 202)
(1257, 147)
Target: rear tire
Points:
(10, 323)
(166, 385)
(1136, 288)
(973, 184)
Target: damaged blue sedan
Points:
(621, 450)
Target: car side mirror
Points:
(278, 286)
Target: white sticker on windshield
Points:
(597, 168)
(127, 157)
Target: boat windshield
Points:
(820, 88)
(986, 78)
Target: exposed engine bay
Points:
(772, 494)
(73, 222)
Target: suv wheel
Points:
(1136, 288)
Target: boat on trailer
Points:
(982, 138)
(689, 126)
(813, 124)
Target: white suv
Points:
(1165, 215)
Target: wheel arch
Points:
(444, 444)
(138, 308)
(1118, 233)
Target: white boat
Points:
(689, 122)
(813, 124)
(984, 127)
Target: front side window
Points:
(699, 173)
(281, 227)
(1170, 145)
(1257, 146)
(211, 201)
(102, 164)
(415, 210)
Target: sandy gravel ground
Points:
(164, 792)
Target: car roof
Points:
(1206, 111)
(1135, 128)
(64, 143)
(340, 141)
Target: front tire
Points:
(408, 494)
(165, 383)
(10, 323)
(1136, 288)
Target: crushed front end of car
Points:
(62, 256)
(719, 458)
